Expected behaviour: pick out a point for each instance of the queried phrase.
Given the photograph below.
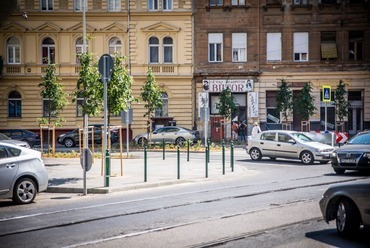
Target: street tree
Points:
(226, 106)
(304, 103)
(341, 102)
(55, 98)
(284, 100)
(151, 93)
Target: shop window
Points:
(272, 114)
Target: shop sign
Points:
(235, 85)
(252, 104)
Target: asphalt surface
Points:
(67, 176)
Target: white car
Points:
(288, 144)
(6, 139)
(22, 173)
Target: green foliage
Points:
(341, 102)
(284, 100)
(53, 91)
(226, 106)
(304, 103)
(89, 86)
(151, 93)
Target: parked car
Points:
(71, 139)
(22, 173)
(171, 134)
(349, 205)
(31, 138)
(288, 144)
(355, 155)
(6, 139)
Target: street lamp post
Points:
(86, 123)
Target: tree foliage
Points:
(226, 106)
(284, 100)
(341, 102)
(57, 98)
(151, 93)
(304, 103)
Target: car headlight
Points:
(367, 155)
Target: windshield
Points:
(362, 138)
(302, 137)
(4, 137)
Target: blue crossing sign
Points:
(326, 93)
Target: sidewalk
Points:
(66, 174)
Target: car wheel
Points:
(307, 157)
(68, 142)
(141, 140)
(255, 154)
(180, 141)
(348, 218)
(24, 191)
(339, 171)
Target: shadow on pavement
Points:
(61, 181)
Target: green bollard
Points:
(209, 151)
(145, 164)
(223, 157)
(206, 159)
(107, 168)
(188, 150)
(178, 162)
(164, 148)
(232, 156)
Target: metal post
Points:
(187, 158)
(145, 164)
(178, 162)
(223, 157)
(107, 168)
(163, 149)
(86, 139)
(206, 161)
(232, 156)
(209, 151)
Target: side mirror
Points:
(292, 141)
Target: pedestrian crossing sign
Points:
(326, 93)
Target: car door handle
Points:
(9, 166)
(262, 143)
(278, 145)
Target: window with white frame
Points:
(47, 4)
(80, 48)
(216, 2)
(14, 104)
(163, 111)
(13, 51)
(152, 5)
(153, 50)
(300, 41)
(237, 2)
(215, 47)
(114, 5)
(48, 51)
(167, 50)
(115, 45)
(273, 47)
(78, 5)
(239, 49)
(167, 4)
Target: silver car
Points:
(171, 134)
(288, 144)
(349, 205)
(22, 173)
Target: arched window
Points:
(163, 111)
(79, 105)
(167, 50)
(80, 48)
(14, 104)
(115, 45)
(13, 49)
(153, 50)
(48, 51)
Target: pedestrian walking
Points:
(256, 129)
(235, 129)
(242, 129)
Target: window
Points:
(272, 114)
(162, 111)
(46, 107)
(238, 2)
(80, 48)
(273, 47)
(300, 2)
(268, 136)
(356, 40)
(79, 105)
(115, 46)
(13, 49)
(239, 47)
(328, 1)
(216, 3)
(153, 4)
(14, 104)
(153, 50)
(47, 4)
(167, 50)
(300, 46)
(328, 45)
(114, 5)
(282, 137)
(78, 5)
(215, 47)
(167, 4)
(48, 51)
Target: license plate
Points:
(348, 160)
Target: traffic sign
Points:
(106, 64)
(326, 93)
(341, 137)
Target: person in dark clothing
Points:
(242, 129)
